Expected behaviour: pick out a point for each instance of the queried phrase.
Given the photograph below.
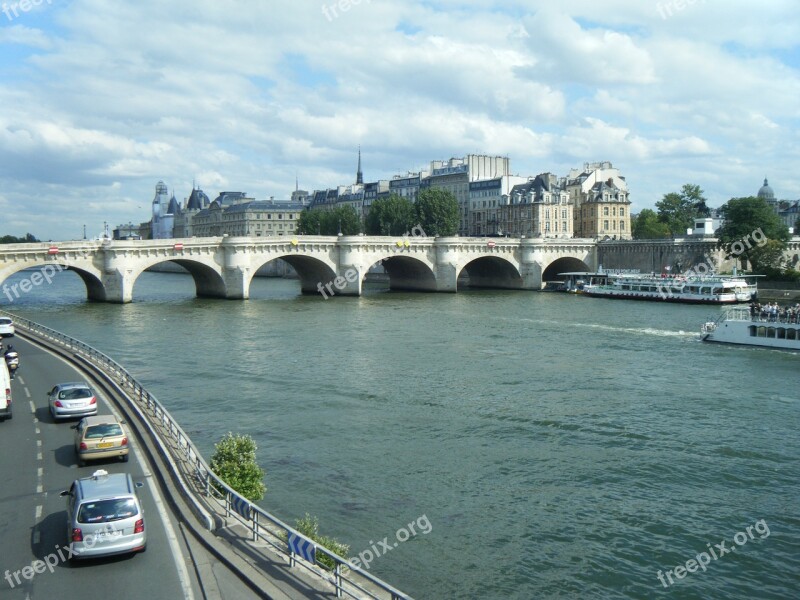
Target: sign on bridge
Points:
(304, 548)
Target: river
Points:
(543, 445)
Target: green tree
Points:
(678, 210)
(437, 212)
(309, 527)
(750, 224)
(310, 222)
(345, 217)
(647, 226)
(11, 239)
(768, 258)
(390, 216)
(234, 461)
(327, 222)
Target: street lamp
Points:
(340, 227)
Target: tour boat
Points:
(738, 326)
(695, 289)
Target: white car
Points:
(6, 327)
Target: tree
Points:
(11, 239)
(234, 461)
(310, 222)
(679, 210)
(750, 223)
(647, 226)
(437, 212)
(347, 218)
(327, 222)
(309, 527)
(390, 216)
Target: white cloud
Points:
(101, 100)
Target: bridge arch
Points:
(311, 271)
(42, 273)
(208, 280)
(493, 272)
(565, 264)
(407, 273)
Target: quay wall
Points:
(679, 254)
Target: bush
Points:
(309, 527)
(234, 461)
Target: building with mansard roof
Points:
(539, 207)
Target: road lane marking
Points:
(40, 472)
(39, 489)
(33, 407)
(38, 512)
(37, 536)
(38, 456)
(177, 555)
(38, 431)
(39, 443)
(21, 380)
(27, 392)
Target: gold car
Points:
(100, 437)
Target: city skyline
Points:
(101, 102)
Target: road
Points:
(37, 462)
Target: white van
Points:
(5, 392)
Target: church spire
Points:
(359, 174)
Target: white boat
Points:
(738, 326)
(696, 289)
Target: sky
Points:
(101, 99)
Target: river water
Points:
(543, 445)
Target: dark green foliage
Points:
(647, 226)
(327, 222)
(234, 461)
(390, 216)
(437, 212)
(10, 239)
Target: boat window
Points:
(791, 334)
(771, 332)
(781, 333)
(753, 330)
(762, 332)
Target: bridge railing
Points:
(348, 579)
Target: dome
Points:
(766, 192)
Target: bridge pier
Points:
(118, 285)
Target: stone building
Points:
(599, 198)
(540, 207)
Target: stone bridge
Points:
(223, 267)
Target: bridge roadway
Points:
(37, 462)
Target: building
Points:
(236, 215)
(373, 191)
(540, 207)
(164, 211)
(767, 195)
(600, 203)
(456, 174)
(183, 224)
(407, 186)
(486, 198)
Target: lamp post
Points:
(340, 227)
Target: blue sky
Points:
(101, 100)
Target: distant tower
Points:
(359, 174)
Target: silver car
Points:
(72, 400)
(104, 516)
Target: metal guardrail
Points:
(348, 579)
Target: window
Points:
(614, 211)
(605, 225)
(605, 211)
(622, 225)
(621, 212)
(564, 226)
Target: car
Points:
(98, 437)
(76, 399)
(6, 327)
(104, 516)
(5, 392)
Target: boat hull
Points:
(658, 297)
(785, 336)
